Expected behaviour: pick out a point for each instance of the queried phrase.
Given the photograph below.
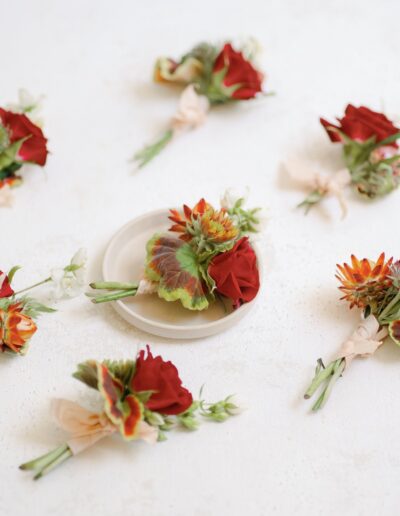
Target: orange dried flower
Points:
(365, 282)
(16, 328)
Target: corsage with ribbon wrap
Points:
(375, 288)
(212, 256)
(371, 156)
(142, 399)
(21, 142)
(19, 311)
(210, 74)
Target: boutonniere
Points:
(373, 287)
(18, 311)
(211, 255)
(211, 75)
(21, 142)
(371, 157)
(142, 399)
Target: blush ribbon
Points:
(86, 427)
(364, 341)
(192, 110)
(310, 178)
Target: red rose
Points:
(360, 124)
(5, 287)
(19, 126)
(239, 72)
(153, 374)
(235, 273)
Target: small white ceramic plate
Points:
(124, 261)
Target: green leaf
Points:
(173, 264)
(87, 373)
(12, 272)
(33, 308)
(394, 331)
(9, 155)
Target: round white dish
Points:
(124, 261)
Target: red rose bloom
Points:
(19, 126)
(239, 72)
(153, 374)
(5, 287)
(360, 124)
(235, 273)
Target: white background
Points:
(93, 61)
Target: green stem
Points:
(339, 367)
(311, 200)
(113, 297)
(149, 152)
(56, 462)
(32, 286)
(44, 460)
(112, 285)
(387, 309)
(320, 376)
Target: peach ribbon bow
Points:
(192, 110)
(365, 340)
(86, 427)
(308, 177)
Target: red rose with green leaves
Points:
(235, 273)
(154, 374)
(361, 124)
(33, 148)
(234, 76)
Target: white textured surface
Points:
(93, 60)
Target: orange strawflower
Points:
(365, 282)
(214, 226)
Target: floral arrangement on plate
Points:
(373, 287)
(142, 399)
(18, 311)
(21, 142)
(211, 75)
(211, 257)
(371, 156)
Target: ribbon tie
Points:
(192, 110)
(364, 341)
(86, 427)
(308, 177)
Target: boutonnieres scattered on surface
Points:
(142, 399)
(19, 311)
(371, 156)
(210, 74)
(374, 287)
(21, 142)
(212, 257)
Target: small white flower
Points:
(29, 105)
(6, 196)
(231, 197)
(70, 281)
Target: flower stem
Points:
(311, 200)
(387, 309)
(115, 296)
(329, 375)
(150, 151)
(49, 461)
(32, 286)
(112, 285)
